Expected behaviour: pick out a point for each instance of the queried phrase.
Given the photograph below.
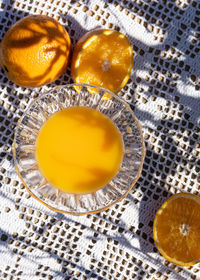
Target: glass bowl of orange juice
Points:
(78, 151)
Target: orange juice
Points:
(79, 150)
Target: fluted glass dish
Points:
(37, 114)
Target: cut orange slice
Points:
(102, 58)
(176, 229)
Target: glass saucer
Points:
(36, 115)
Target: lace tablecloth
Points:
(164, 92)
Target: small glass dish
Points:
(57, 99)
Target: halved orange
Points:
(176, 229)
(102, 58)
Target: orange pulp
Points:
(176, 229)
(102, 58)
(79, 150)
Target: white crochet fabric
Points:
(37, 243)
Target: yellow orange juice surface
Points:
(79, 150)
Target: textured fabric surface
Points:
(164, 92)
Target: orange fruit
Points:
(102, 58)
(35, 51)
(176, 229)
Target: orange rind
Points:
(35, 51)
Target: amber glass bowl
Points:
(57, 99)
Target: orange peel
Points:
(35, 51)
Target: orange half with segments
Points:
(176, 229)
(103, 58)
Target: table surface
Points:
(164, 92)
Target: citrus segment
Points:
(176, 229)
(103, 58)
(35, 51)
